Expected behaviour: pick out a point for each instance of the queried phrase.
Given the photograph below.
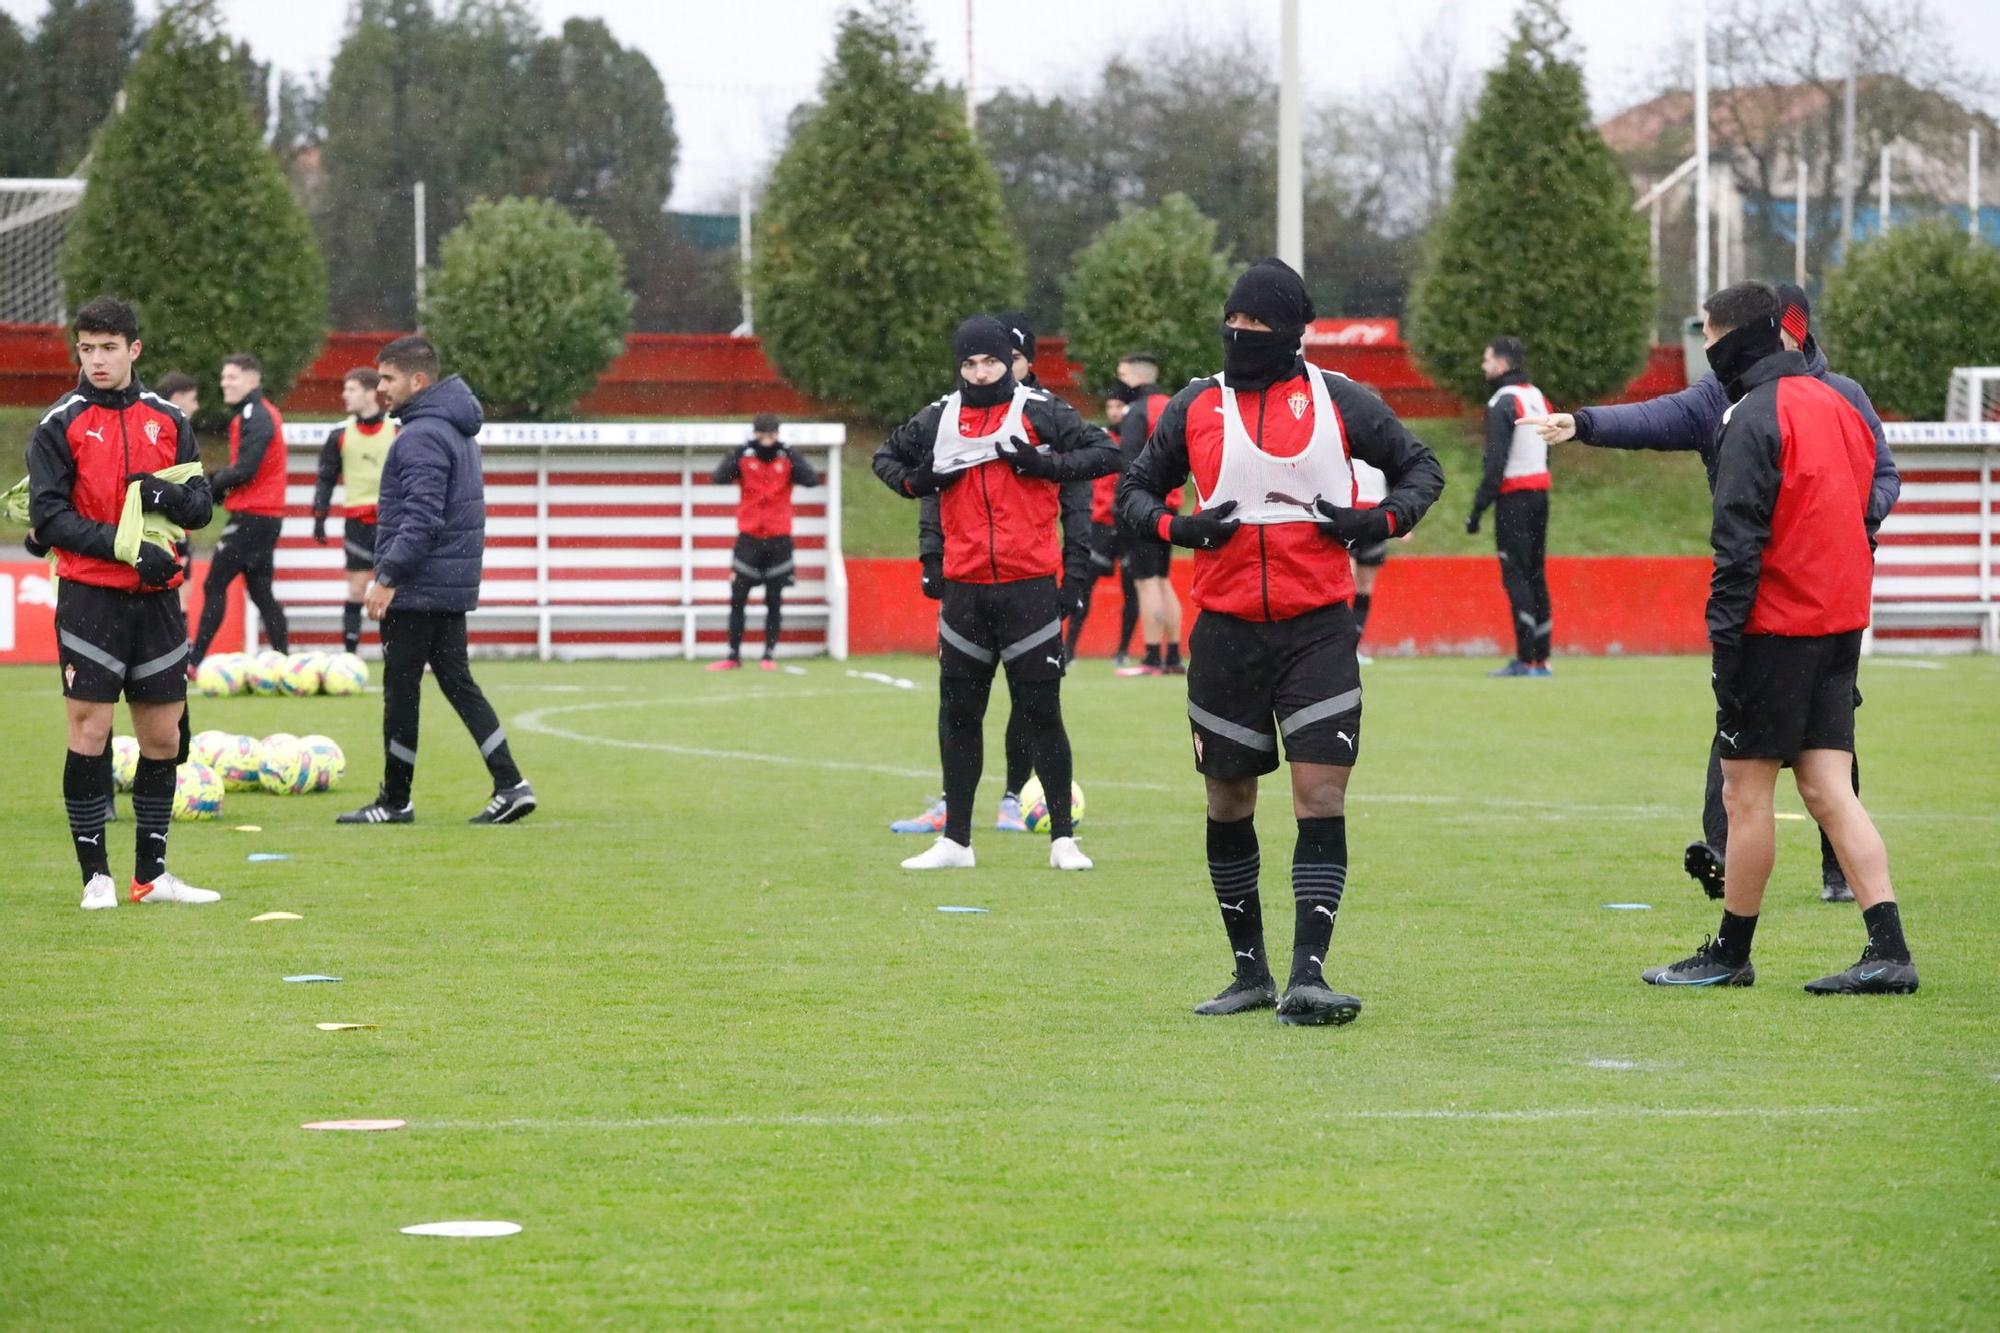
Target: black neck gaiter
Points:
(985, 395)
(1739, 349)
(1256, 358)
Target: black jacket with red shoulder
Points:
(1794, 468)
(1142, 417)
(1000, 526)
(78, 459)
(254, 481)
(1281, 570)
(766, 477)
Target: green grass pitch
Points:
(728, 1066)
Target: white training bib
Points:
(1528, 452)
(953, 452)
(1268, 489)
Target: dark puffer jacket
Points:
(431, 541)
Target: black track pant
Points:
(1521, 531)
(243, 551)
(962, 746)
(739, 606)
(412, 640)
(1715, 820)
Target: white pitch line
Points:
(536, 721)
(587, 1124)
(690, 1121)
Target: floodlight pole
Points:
(971, 115)
(1972, 184)
(1848, 180)
(1885, 196)
(1291, 173)
(743, 256)
(1799, 240)
(1701, 199)
(417, 197)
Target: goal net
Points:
(34, 221)
(1974, 394)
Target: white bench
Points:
(1934, 566)
(602, 540)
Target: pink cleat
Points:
(726, 664)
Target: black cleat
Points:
(1833, 887)
(1869, 976)
(1704, 863)
(1314, 1004)
(378, 812)
(1240, 996)
(516, 803)
(1702, 968)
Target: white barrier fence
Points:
(1934, 575)
(602, 540)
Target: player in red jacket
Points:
(1270, 443)
(1789, 598)
(252, 488)
(766, 471)
(119, 627)
(997, 453)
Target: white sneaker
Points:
(101, 892)
(169, 888)
(1064, 854)
(944, 854)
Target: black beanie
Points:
(1270, 290)
(1020, 332)
(982, 335)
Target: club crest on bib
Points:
(1298, 400)
(152, 432)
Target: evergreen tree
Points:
(529, 305)
(187, 214)
(1152, 280)
(1539, 238)
(882, 227)
(1907, 307)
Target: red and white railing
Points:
(1935, 581)
(602, 540)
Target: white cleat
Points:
(944, 854)
(1064, 854)
(170, 888)
(99, 893)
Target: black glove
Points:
(1472, 523)
(156, 565)
(159, 497)
(1027, 460)
(215, 488)
(1206, 530)
(926, 481)
(1723, 663)
(319, 528)
(1354, 527)
(933, 578)
(35, 548)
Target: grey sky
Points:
(735, 68)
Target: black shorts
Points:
(110, 642)
(1372, 556)
(1251, 682)
(1103, 548)
(357, 541)
(1017, 625)
(1792, 694)
(762, 560)
(1146, 557)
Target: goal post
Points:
(34, 225)
(1974, 394)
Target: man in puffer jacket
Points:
(1691, 421)
(429, 547)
